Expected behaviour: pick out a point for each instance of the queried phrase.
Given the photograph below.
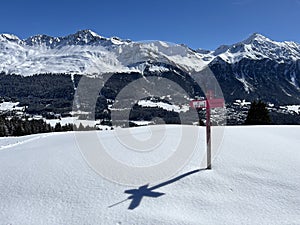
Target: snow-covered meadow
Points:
(255, 180)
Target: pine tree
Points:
(57, 127)
(258, 114)
(81, 127)
(3, 129)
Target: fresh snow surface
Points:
(254, 180)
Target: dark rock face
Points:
(273, 82)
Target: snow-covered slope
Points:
(254, 180)
(85, 52)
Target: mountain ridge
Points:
(86, 49)
(85, 52)
(255, 68)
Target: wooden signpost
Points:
(208, 103)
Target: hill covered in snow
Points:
(255, 180)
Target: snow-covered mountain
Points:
(260, 68)
(256, 47)
(85, 52)
(257, 67)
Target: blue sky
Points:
(196, 23)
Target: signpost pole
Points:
(208, 138)
(208, 104)
(208, 131)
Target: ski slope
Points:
(255, 180)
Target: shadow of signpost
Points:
(136, 195)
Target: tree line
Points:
(16, 126)
(23, 126)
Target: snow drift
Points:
(254, 180)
